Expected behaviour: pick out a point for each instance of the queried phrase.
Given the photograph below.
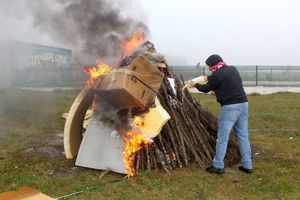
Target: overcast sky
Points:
(244, 32)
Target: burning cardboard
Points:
(133, 86)
(147, 72)
(102, 146)
(124, 89)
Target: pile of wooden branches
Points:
(188, 137)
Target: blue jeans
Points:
(233, 116)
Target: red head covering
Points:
(216, 67)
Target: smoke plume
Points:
(92, 28)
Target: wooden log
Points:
(161, 159)
(148, 158)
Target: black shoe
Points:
(214, 170)
(243, 169)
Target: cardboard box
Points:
(147, 72)
(124, 89)
(25, 193)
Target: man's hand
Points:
(192, 84)
(201, 80)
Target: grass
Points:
(29, 120)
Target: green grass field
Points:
(30, 154)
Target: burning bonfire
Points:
(142, 118)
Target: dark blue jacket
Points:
(226, 82)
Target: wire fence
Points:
(251, 75)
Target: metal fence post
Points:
(256, 73)
(271, 74)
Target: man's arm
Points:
(213, 81)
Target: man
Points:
(226, 83)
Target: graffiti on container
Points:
(40, 59)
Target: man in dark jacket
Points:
(226, 83)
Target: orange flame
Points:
(96, 71)
(128, 46)
(134, 141)
(138, 122)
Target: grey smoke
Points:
(110, 115)
(92, 28)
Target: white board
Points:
(101, 148)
